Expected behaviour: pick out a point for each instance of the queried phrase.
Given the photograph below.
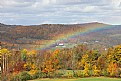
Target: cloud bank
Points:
(29, 12)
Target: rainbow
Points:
(81, 31)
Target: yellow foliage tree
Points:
(86, 69)
(96, 72)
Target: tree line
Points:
(81, 60)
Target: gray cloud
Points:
(29, 12)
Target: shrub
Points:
(77, 73)
(15, 77)
(24, 76)
(58, 75)
(69, 75)
(104, 73)
(37, 75)
(41, 74)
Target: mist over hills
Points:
(37, 36)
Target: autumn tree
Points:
(113, 69)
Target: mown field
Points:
(81, 79)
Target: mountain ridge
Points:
(55, 24)
(39, 35)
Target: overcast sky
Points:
(33, 12)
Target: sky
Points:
(35, 12)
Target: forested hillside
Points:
(39, 36)
(45, 31)
(15, 35)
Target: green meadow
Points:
(81, 79)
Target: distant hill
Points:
(12, 33)
(27, 36)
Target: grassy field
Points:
(81, 79)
